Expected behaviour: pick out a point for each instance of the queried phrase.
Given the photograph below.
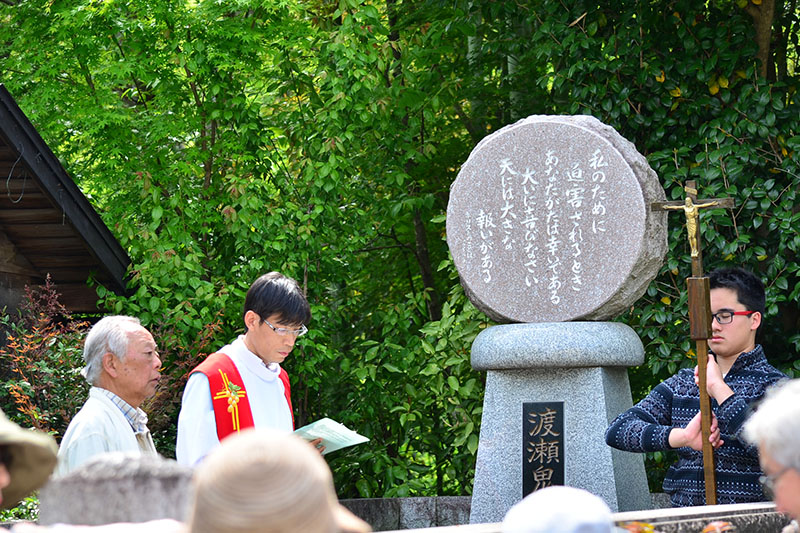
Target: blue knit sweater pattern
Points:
(672, 404)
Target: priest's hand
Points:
(317, 444)
(715, 382)
(692, 434)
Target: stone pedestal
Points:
(582, 364)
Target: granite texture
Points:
(424, 512)
(408, 513)
(549, 219)
(748, 518)
(592, 396)
(383, 514)
(118, 487)
(559, 344)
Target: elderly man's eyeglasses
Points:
(286, 331)
(726, 315)
(768, 482)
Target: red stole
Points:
(228, 395)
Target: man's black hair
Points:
(276, 294)
(748, 287)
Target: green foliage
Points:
(424, 404)
(26, 511)
(220, 141)
(657, 464)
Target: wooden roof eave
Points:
(64, 193)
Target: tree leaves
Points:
(221, 141)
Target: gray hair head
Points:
(559, 508)
(775, 426)
(110, 334)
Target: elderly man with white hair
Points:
(122, 366)
(775, 428)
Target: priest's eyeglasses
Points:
(726, 315)
(286, 331)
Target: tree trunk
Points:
(477, 112)
(521, 30)
(420, 234)
(763, 16)
(425, 268)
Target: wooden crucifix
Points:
(699, 315)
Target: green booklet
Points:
(334, 435)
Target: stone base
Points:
(593, 394)
(759, 517)
(746, 517)
(409, 513)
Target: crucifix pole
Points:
(699, 317)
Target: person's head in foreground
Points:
(559, 510)
(775, 428)
(27, 458)
(267, 481)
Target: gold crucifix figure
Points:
(691, 209)
(692, 214)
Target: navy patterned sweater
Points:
(645, 427)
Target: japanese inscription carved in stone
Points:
(549, 221)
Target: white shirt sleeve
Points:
(197, 426)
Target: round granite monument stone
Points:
(550, 226)
(549, 220)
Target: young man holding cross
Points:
(738, 374)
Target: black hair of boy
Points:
(276, 294)
(748, 287)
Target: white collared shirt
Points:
(197, 426)
(135, 416)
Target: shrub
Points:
(42, 384)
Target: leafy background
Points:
(220, 140)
